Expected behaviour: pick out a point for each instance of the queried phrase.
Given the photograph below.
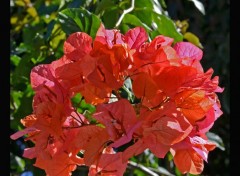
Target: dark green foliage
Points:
(79, 20)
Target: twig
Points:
(161, 171)
(142, 168)
(124, 13)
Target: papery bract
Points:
(189, 54)
(120, 121)
(171, 104)
(193, 150)
(109, 165)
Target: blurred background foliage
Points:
(39, 28)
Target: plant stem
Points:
(124, 13)
(142, 168)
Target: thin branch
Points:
(161, 171)
(142, 168)
(150, 171)
(124, 13)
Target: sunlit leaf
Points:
(199, 6)
(163, 3)
(135, 21)
(79, 20)
(182, 25)
(32, 11)
(216, 139)
(50, 29)
(15, 99)
(21, 73)
(165, 26)
(144, 3)
(193, 39)
(144, 14)
(15, 60)
(103, 5)
(17, 163)
(57, 36)
(20, 3)
(111, 17)
(14, 19)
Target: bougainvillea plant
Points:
(148, 95)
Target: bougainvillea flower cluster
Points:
(174, 104)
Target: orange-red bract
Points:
(119, 119)
(193, 151)
(173, 104)
(109, 165)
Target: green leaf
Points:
(169, 156)
(163, 4)
(21, 74)
(145, 14)
(139, 172)
(81, 104)
(193, 175)
(15, 99)
(33, 36)
(50, 27)
(216, 139)
(20, 3)
(76, 4)
(24, 109)
(135, 21)
(15, 60)
(111, 17)
(160, 23)
(128, 89)
(57, 37)
(63, 4)
(87, 107)
(144, 4)
(158, 7)
(21, 48)
(166, 26)
(199, 6)
(103, 5)
(193, 39)
(17, 163)
(177, 172)
(79, 20)
(124, 4)
(124, 28)
(182, 25)
(32, 11)
(76, 100)
(21, 162)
